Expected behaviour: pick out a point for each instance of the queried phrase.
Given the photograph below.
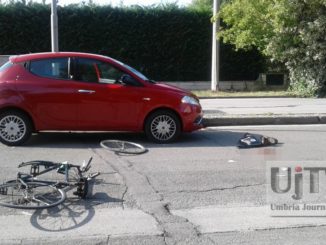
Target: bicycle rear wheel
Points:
(125, 147)
(32, 195)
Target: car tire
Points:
(15, 128)
(163, 126)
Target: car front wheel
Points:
(15, 128)
(163, 126)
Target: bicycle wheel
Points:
(125, 147)
(33, 195)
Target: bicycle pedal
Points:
(80, 194)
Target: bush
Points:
(165, 43)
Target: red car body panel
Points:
(55, 104)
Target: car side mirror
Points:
(129, 80)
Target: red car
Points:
(88, 92)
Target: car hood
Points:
(167, 87)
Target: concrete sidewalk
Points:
(263, 111)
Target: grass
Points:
(226, 94)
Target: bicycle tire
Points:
(37, 195)
(120, 146)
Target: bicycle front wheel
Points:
(125, 147)
(32, 195)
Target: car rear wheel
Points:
(163, 126)
(15, 128)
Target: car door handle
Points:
(83, 91)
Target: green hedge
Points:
(165, 43)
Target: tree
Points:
(204, 4)
(291, 31)
(201, 4)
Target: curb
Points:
(243, 120)
(248, 97)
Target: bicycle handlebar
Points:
(85, 168)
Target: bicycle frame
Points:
(45, 193)
(65, 184)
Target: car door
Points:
(104, 102)
(49, 93)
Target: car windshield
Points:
(133, 70)
(5, 66)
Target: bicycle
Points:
(27, 192)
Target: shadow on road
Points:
(78, 140)
(72, 214)
(203, 138)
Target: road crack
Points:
(147, 198)
(265, 229)
(123, 197)
(217, 189)
(289, 227)
(116, 170)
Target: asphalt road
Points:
(201, 190)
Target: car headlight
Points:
(190, 100)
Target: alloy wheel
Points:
(12, 128)
(163, 127)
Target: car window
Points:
(89, 70)
(53, 68)
(138, 73)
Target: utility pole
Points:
(54, 27)
(215, 48)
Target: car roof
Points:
(37, 56)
